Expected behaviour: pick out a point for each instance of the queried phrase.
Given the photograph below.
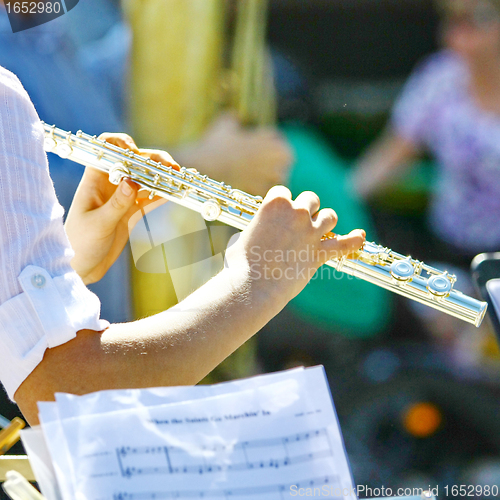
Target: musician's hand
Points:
(282, 247)
(252, 160)
(97, 222)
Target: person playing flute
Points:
(51, 337)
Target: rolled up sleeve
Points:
(43, 302)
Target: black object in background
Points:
(485, 267)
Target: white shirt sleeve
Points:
(43, 302)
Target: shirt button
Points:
(38, 280)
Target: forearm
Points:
(382, 164)
(177, 347)
(189, 340)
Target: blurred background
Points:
(287, 91)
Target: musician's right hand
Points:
(283, 246)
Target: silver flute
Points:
(217, 201)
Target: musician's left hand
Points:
(98, 220)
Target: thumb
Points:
(120, 203)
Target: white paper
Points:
(40, 461)
(57, 445)
(261, 438)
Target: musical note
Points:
(200, 469)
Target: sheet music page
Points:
(263, 443)
(57, 446)
(34, 443)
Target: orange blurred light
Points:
(422, 419)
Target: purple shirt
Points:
(436, 111)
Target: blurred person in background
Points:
(450, 107)
(202, 86)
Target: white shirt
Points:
(43, 302)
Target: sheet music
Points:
(57, 447)
(40, 461)
(254, 439)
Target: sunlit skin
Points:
(102, 210)
(179, 347)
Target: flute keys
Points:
(439, 285)
(64, 150)
(117, 172)
(49, 144)
(210, 210)
(370, 253)
(402, 270)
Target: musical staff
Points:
(273, 491)
(256, 454)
